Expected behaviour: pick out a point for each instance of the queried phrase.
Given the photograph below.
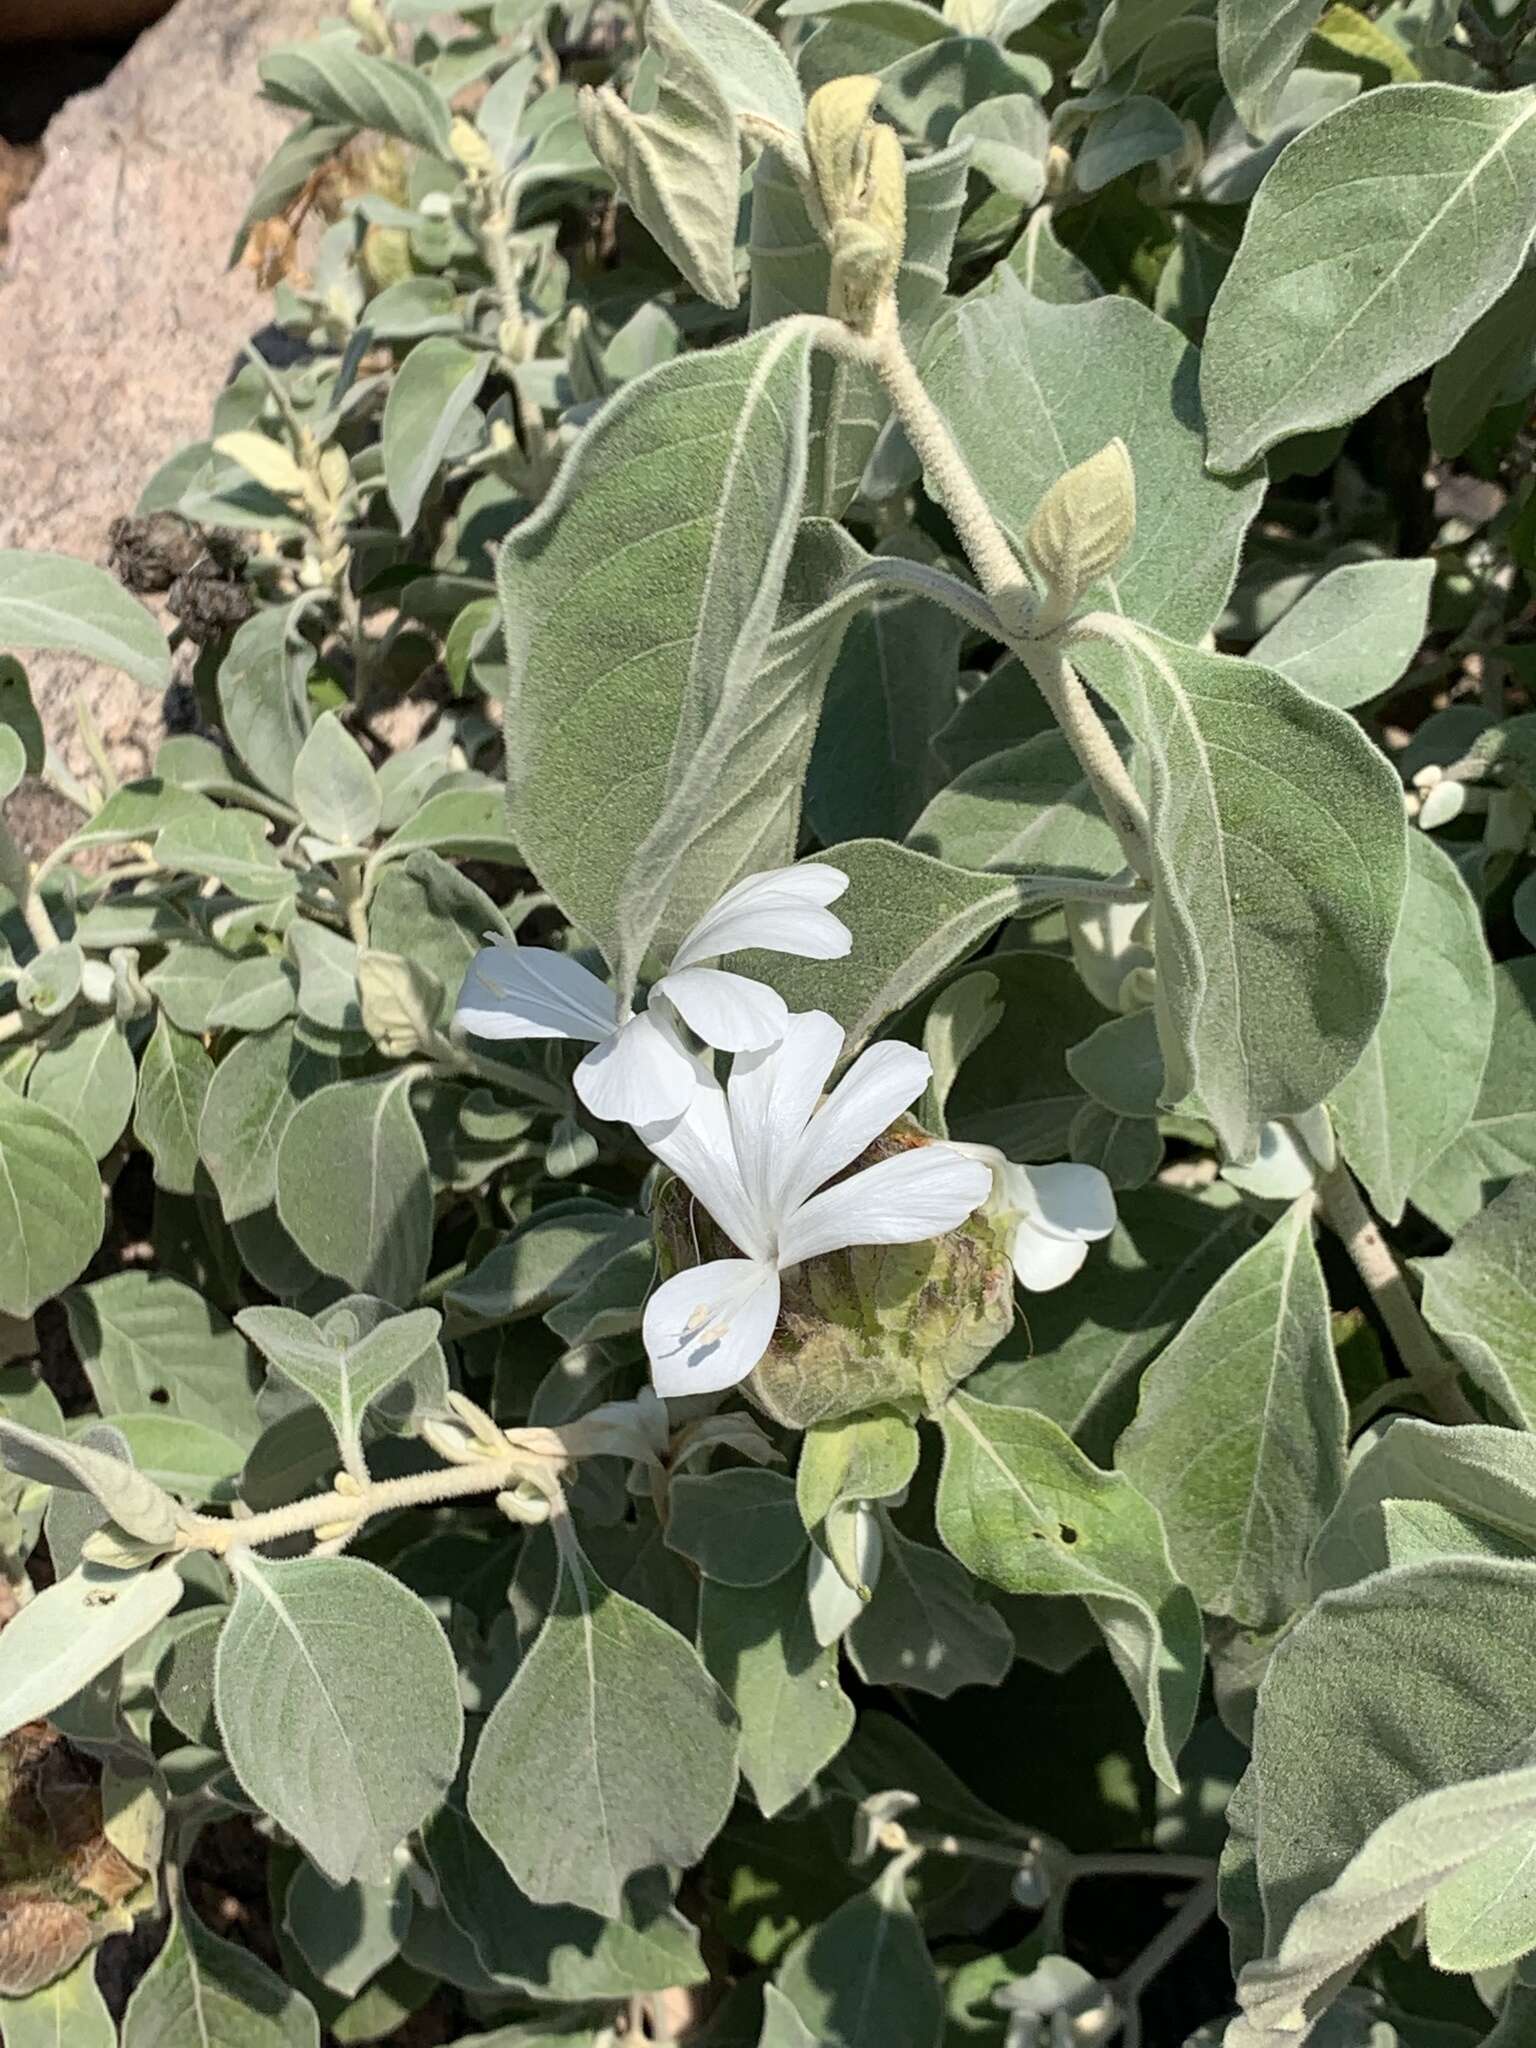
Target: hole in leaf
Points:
(160, 1397)
(1068, 1533)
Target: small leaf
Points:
(1021, 1507)
(338, 1705)
(678, 163)
(1499, 1141)
(353, 1187)
(147, 1340)
(51, 1210)
(741, 1527)
(134, 1502)
(175, 1074)
(1239, 1439)
(342, 1378)
(263, 703)
(611, 1751)
(1480, 1296)
(928, 1625)
(348, 1935)
(428, 401)
(264, 458)
(869, 1457)
(910, 916)
(339, 84)
(334, 786)
(1418, 197)
(1485, 364)
(88, 1080)
(1257, 45)
(1415, 1088)
(201, 1992)
(794, 1715)
(1353, 633)
(51, 600)
(864, 1977)
(68, 2013)
(70, 1633)
(1082, 526)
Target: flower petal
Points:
(879, 1085)
(783, 911)
(1042, 1260)
(724, 1009)
(638, 1076)
(699, 1148)
(530, 992)
(917, 1195)
(707, 1328)
(1065, 1201)
(772, 1095)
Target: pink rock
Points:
(118, 320)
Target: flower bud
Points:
(887, 1325)
(861, 179)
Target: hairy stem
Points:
(1004, 582)
(380, 1497)
(1422, 1358)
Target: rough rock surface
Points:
(119, 322)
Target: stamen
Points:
(698, 1319)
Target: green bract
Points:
(768, 1219)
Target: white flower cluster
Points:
(759, 1151)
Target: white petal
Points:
(530, 992)
(772, 1095)
(879, 1085)
(724, 1009)
(835, 1605)
(918, 1194)
(639, 1076)
(705, 1329)
(1042, 1260)
(783, 911)
(1073, 1202)
(699, 1148)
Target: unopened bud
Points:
(861, 178)
(471, 149)
(1081, 528)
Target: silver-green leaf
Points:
(338, 1705)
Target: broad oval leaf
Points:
(1415, 1088)
(70, 1633)
(353, 1186)
(794, 1715)
(1499, 1140)
(51, 1210)
(1006, 370)
(1239, 1439)
(864, 1977)
(1352, 634)
(175, 1073)
(674, 520)
(255, 1091)
(338, 1705)
(201, 1992)
(1480, 1296)
(1280, 866)
(1376, 241)
(51, 600)
(432, 392)
(611, 1751)
(1021, 1507)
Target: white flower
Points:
(1056, 1213)
(755, 1153)
(639, 1071)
